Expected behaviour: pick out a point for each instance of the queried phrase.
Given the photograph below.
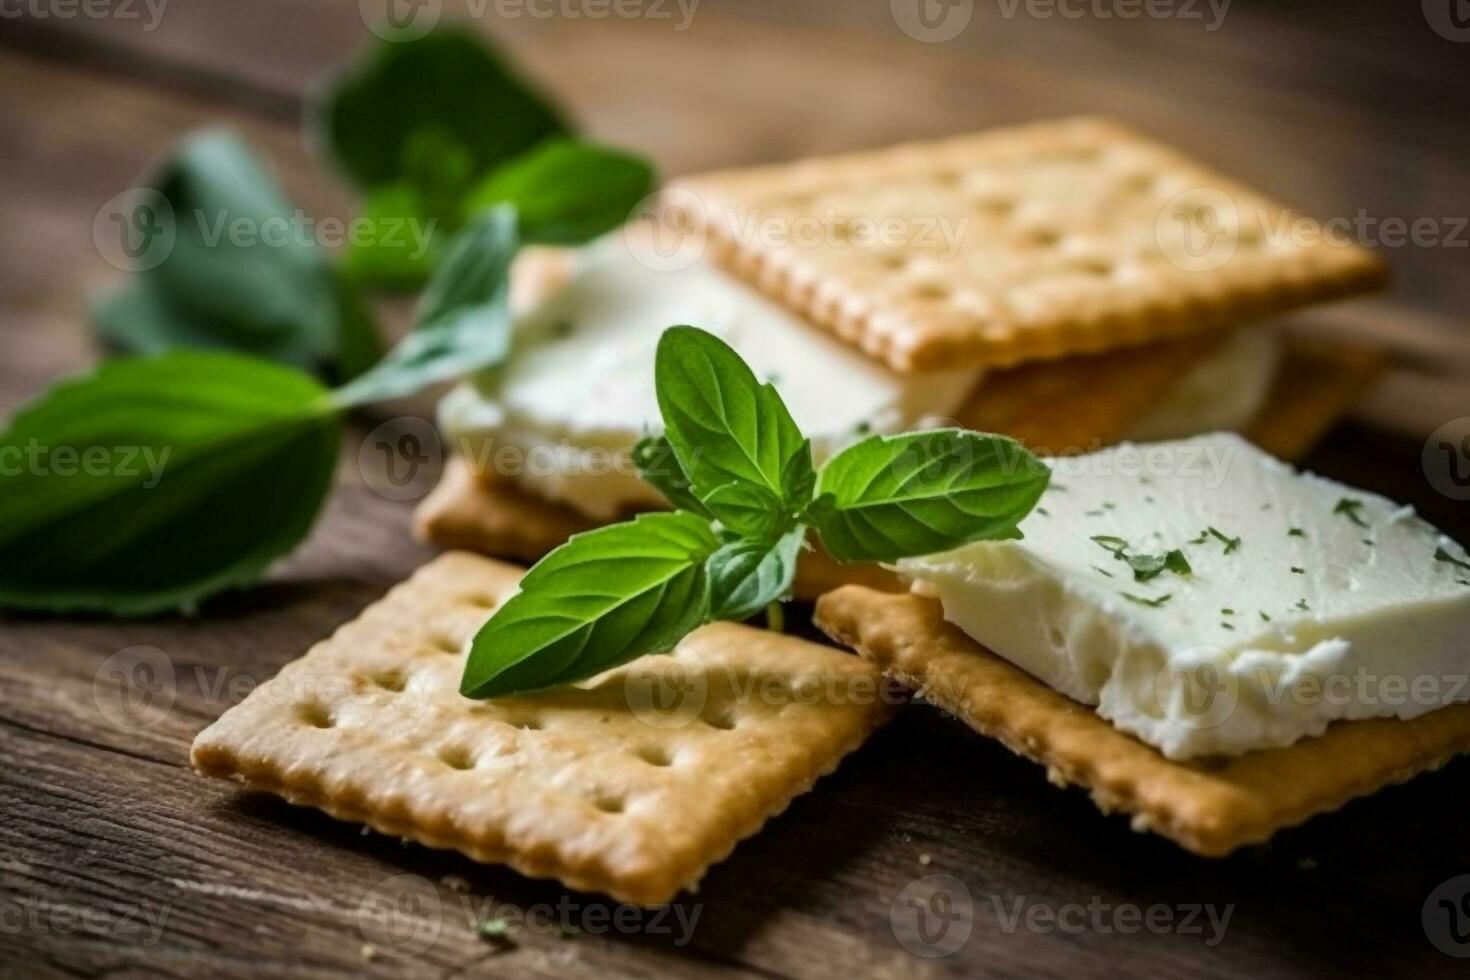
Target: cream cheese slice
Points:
(577, 393)
(1307, 601)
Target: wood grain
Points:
(101, 821)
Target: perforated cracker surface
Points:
(630, 784)
(1030, 242)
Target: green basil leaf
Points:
(448, 84)
(749, 510)
(401, 244)
(463, 317)
(891, 497)
(746, 576)
(244, 271)
(602, 599)
(658, 465)
(732, 435)
(567, 192)
(156, 482)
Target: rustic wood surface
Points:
(115, 860)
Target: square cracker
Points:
(601, 785)
(1091, 407)
(1210, 806)
(1017, 244)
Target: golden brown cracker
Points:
(603, 785)
(1210, 806)
(1316, 386)
(1032, 242)
(1081, 403)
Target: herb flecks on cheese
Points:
(1316, 606)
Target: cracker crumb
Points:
(455, 884)
(924, 859)
(367, 952)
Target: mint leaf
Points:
(658, 465)
(463, 317)
(153, 483)
(746, 576)
(1152, 603)
(602, 599)
(745, 458)
(401, 244)
(567, 192)
(891, 497)
(372, 117)
(244, 271)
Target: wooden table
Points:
(105, 833)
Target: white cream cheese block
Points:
(562, 416)
(1304, 601)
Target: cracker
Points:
(592, 784)
(1210, 807)
(1316, 385)
(1025, 243)
(1080, 403)
(498, 518)
(1087, 402)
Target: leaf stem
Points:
(775, 617)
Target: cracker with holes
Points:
(1204, 637)
(1019, 244)
(631, 784)
(1210, 806)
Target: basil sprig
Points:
(436, 130)
(740, 474)
(242, 271)
(155, 482)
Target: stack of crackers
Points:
(1074, 289)
(1085, 267)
